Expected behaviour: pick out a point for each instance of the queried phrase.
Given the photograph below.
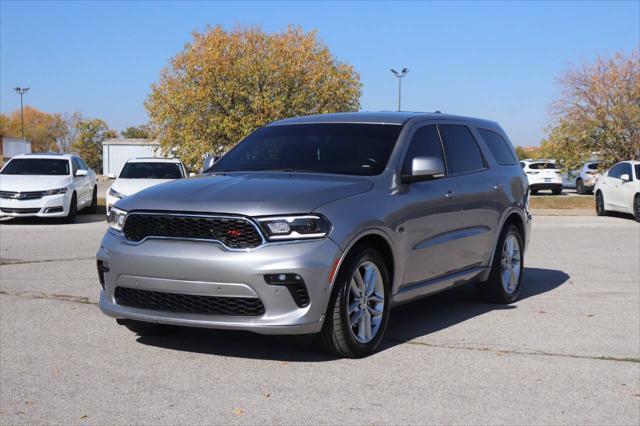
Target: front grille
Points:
(33, 195)
(188, 303)
(19, 211)
(236, 233)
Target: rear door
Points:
(479, 193)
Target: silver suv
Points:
(319, 225)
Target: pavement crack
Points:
(40, 295)
(6, 261)
(520, 352)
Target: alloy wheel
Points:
(511, 264)
(365, 301)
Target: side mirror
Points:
(625, 177)
(424, 168)
(81, 172)
(111, 176)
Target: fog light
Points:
(294, 283)
(103, 267)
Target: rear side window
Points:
(593, 166)
(499, 148)
(462, 151)
(424, 143)
(541, 166)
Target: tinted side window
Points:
(424, 143)
(499, 147)
(462, 150)
(626, 168)
(74, 164)
(615, 171)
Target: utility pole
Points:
(21, 91)
(400, 75)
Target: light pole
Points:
(21, 91)
(400, 75)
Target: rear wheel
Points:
(503, 285)
(534, 192)
(358, 310)
(580, 188)
(636, 207)
(147, 328)
(600, 210)
(73, 210)
(556, 191)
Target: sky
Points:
(495, 60)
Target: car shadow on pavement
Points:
(99, 216)
(407, 322)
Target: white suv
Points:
(47, 185)
(542, 174)
(141, 173)
(583, 179)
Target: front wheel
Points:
(73, 210)
(507, 270)
(93, 207)
(580, 189)
(600, 210)
(636, 207)
(358, 310)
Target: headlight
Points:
(56, 191)
(295, 227)
(116, 218)
(115, 193)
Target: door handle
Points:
(450, 195)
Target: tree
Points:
(597, 113)
(88, 143)
(70, 133)
(140, 132)
(41, 128)
(525, 152)
(225, 84)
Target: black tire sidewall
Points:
(73, 209)
(600, 210)
(496, 272)
(363, 255)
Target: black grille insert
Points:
(19, 211)
(188, 303)
(236, 233)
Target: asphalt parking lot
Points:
(567, 352)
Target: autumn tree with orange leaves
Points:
(598, 113)
(226, 84)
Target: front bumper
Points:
(47, 206)
(208, 269)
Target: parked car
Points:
(584, 179)
(47, 185)
(321, 224)
(543, 175)
(619, 190)
(141, 173)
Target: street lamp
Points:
(21, 91)
(400, 75)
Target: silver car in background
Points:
(319, 225)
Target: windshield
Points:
(536, 166)
(338, 148)
(36, 166)
(151, 170)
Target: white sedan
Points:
(47, 185)
(619, 190)
(141, 173)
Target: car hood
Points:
(22, 183)
(250, 194)
(131, 186)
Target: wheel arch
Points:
(513, 217)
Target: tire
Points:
(556, 191)
(93, 207)
(600, 210)
(508, 265)
(534, 191)
(73, 210)
(338, 336)
(147, 328)
(636, 207)
(580, 188)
